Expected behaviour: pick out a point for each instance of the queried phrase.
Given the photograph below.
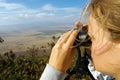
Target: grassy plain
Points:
(20, 40)
(14, 62)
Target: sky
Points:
(30, 13)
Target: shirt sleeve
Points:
(51, 73)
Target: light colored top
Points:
(51, 73)
(98, 75)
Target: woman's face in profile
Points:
(100, 40)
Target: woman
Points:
(104, 30)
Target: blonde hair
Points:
(107, 14)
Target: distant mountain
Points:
(40, 30)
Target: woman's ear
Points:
(102, 42)
(100, 37)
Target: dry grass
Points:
(19, 42)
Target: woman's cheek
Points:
(89, 30)
(91, 27)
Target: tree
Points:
(53, 37)
(1, 40)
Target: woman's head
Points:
(104, 30)
(107, 14)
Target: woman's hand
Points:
(63, 53)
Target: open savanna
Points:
(20, 40)
(24, 53)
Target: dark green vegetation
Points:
(25, 67)
(28, 67)
(1, 40)
(22, 67)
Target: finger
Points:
(60, 39)
(72, 38)
(78, 24)
(66, 36)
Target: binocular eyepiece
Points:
(82, 38)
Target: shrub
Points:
(22, 67)
(27, 67)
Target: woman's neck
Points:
(114, 61)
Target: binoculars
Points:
(81, 65)
(82, 38)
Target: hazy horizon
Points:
(24, 23)
(18, 14)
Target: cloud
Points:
(44, 14)
(11, 6)
(14, 13)
(49, 7)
